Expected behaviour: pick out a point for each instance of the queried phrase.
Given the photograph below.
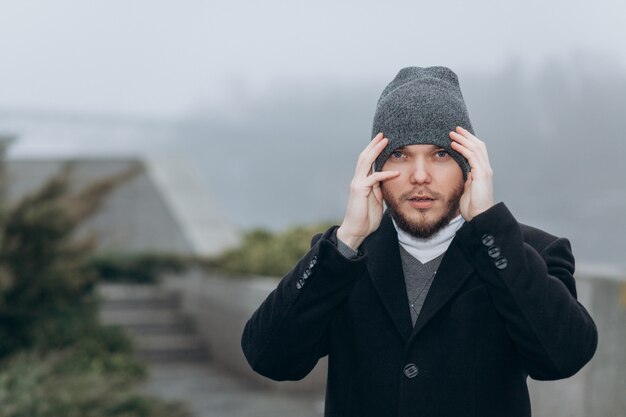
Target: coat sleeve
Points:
(530, 280)
(287, 334)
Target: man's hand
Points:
(365, 204)
(478, 194)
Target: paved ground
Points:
(210, 392)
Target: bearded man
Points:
(442, 305)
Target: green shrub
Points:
(266, 253)
(57, 359)
(261, 253)
(43, 282)
(36, 385)
(138, 268)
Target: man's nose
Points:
(420, 173)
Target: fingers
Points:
(468, 182)
(473, 149)
(375, 178)
(364, 185)
(369, 155)
(365, 180)
(378, 194)
(464, 138)
(465, 198)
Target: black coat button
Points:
(488, 239)
(493, 251)
(501, 262)
(411, 371)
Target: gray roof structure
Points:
(204, 225)
(163, 209)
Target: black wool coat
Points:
(502, 307)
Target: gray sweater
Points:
(418, 276)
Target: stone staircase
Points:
(152, 317)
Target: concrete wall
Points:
(222, 306)
(599, 389)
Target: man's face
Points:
(425, 196)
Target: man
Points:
(441, 306)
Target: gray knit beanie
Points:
(421, 106)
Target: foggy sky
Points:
(163, 59)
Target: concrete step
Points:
(170, 356)
(170, 302)
(152, 318)
(170, 348)
(141, 316)
(147, 342)
(135, 296)
(148, 321)
(182, 328)
(113, 291)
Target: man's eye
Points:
(396, 154)
(442, 154)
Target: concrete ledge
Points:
(221, 306)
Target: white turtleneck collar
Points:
(426, 250)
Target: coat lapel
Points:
(385, 269)
(453, 271)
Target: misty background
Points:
(270, 103)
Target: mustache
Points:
(420, 191)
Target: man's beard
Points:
(424, 229)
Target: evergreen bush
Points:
(56, 359)
(46, 293)
(142, 268)
(54, 385)
(266, 253)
